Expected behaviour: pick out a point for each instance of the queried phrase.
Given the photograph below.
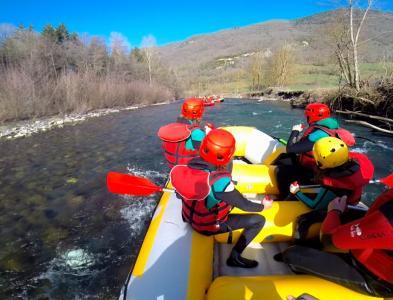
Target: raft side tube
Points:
(279, 287)
(252, 143)
(254, 179)
(174, 262)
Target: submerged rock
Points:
(50, 213)
(12, 264)
(77, 258)
(75, 201)
(36, 200)
(53, 235)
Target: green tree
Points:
(62, 34)
(73, 37)
(137, 55)
(49, 32)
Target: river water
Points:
(63, 236)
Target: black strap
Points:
(177, 154)
(215, 209)
(230, 234)
(229, 241)
(192, 211)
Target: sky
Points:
(167, 21)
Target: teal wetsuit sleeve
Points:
(316, 135)
(198, 135)
(218, 187)
(195, 139)
(221, 184)
(321, 200)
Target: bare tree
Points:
(256, 70)
(344, 37)
(354, 33)
(149, 47)
(387, 66)
(280, 67)
(56, 72)
(6, 31)
(119, 47)
(337, 38)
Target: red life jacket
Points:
(373, 244)
(307, 159)
(354, 182)
(193, 186)
(174, 137)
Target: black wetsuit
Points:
(296, 146)
(288, 168)
(252, 223)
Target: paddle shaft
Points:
(311, 186)
(366, 139)
(282, 141)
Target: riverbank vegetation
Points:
(59, 72)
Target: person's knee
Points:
(257, 221)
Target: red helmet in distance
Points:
(192, 108)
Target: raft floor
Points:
(263, 253)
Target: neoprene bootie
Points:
(278, 257)
(236, 260)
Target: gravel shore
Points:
(20, 129)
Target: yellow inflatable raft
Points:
(175, 262)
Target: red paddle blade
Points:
(387, 180)
(126, 184)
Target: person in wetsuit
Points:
(339, 173)
(368, 267)
(181, 140)
(299, 147)
(208, 194)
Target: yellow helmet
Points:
(330, 152)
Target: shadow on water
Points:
(54, 207)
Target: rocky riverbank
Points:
(372, 106)
(298, 99)
(28, 127)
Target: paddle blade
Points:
(126, 184)
(387, 180)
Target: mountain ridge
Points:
(305, 33)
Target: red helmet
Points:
(192, 108)
(316, 111)
(218, 147)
